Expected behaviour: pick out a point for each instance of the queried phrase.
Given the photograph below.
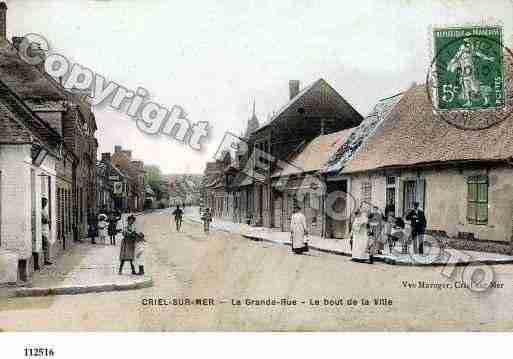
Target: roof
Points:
(315, 154)
(26, 80)
(413, 135)
(14, 109)
(39, 90)
(12, 132)
(360, 135)
(307, 98)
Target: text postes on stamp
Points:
(467, 81)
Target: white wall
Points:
(16, 207)
(15, 199)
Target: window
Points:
(410, 195)
(390, 196)
(366, 192)
(477, 210)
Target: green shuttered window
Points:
(477, 210)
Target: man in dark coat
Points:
(418, 224)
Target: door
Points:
(337, 227)
(278, 206)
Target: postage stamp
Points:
(469, 68)
(467, 78)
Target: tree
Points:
(154, 178)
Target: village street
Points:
(229, 268)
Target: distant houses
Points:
(184, 189)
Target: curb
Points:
(385, 260)
(73, 290)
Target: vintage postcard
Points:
(287, 166)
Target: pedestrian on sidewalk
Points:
(298, 231)
(178, 213)
(102, 228)
(206, 218)
(360, 236)
(376, 223)
(418, 224)
(114, 217)
(127, 251)
(140, 249)
(92, 224)
(45, 230)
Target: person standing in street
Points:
(418, 226)
(207, 218)
(103, 228)
(298, 231)
(127, 251)
(45, 230)
(178, 213)
(92, 221)
(114, 217)
(361, 251)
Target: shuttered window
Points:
(477, 208)
(367, 192)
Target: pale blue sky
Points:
(214, 57)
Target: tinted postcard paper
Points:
(256, 166)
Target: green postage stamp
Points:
(469, 68)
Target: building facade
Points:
(134, 171)
(66, 177)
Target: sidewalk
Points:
(85, 268)
(449, 256)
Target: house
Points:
(134, 170)
(29, 152)
(462, 179)
(65, 176)
(70, 115)
(338, 204)
(298, 182)
(318, 109)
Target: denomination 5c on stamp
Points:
(467, 81)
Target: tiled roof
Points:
(412, 135)
(315, 154)
(15, 109)
(24, 79)
(358, 137)
(12, 132)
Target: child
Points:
(128, 245)
(207, 218)
(112, 229)
(102, 227)
(140, 247)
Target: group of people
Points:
(371, 232)
(109, 225)
(103, 225)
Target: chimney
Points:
(293, 88)
(117, 149)
(106, 157)
(3, 21)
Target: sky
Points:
(214, 58)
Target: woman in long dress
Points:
(127, 251)
(298, 231)
(360, 237)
